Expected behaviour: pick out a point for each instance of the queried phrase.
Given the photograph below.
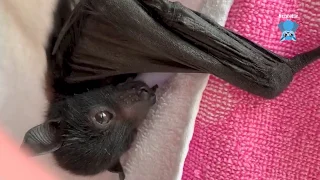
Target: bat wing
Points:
(103, 38)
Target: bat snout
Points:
(147, 94)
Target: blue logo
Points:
(288, 29)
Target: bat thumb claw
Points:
(155, 87)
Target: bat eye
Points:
(103, 117)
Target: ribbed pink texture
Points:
(241, 136)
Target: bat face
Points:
(89, 132)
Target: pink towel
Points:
(241, 136)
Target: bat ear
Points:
(43, 138)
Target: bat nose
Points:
(147, 94)
(144, 91)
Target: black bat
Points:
(103, 42)
(89, 131)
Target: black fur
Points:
(86, 144)
(87, 149)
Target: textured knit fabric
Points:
(162, 143)
(241, 136)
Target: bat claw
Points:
(155, 87)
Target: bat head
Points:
(89, 132)
(288, 29)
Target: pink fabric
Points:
(241, 136)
